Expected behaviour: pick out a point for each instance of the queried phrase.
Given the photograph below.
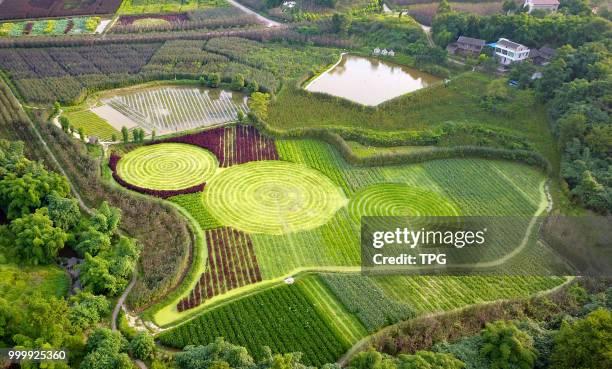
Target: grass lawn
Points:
(92, 124)
(16, 281)
(420, 110)
(166, 6)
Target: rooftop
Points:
(545, 2)
(507, 44)
(471, 41)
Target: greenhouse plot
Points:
(174, 109)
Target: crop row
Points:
(366, 300)
(428, 293)
(22, 9)
(281, 318)
(232, 145)
(231, 264)
(281, 61)
(205, 19)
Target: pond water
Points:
(369, 81)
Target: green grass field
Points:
(417, 111)
(92, 125)
(16, 281)
(167, 166)
(426, 294)
(166, 6)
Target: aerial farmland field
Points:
(170, 109)
(250, 184)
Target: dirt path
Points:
(268, 22)
(121, 301)
(427, 30)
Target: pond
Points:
(369, 81)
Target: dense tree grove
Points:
(577, 86)
(556, 29)
(43, 219)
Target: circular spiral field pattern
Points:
(272, 197)
(167, 166)
(400, 200)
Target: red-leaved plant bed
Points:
(112, 163)
(232, 145)
(231, 264)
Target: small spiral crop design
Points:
(396, 199)
(167, 166)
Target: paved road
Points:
(268, 22)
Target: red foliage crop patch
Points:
(20, 9)
(127, 20)
(232, 145)
(231, 264)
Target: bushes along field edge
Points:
(337, 138)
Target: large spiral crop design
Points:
(273, 197)
(396, 199)
(167, 166)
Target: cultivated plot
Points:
(175, 109)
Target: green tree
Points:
(153, 134)
(96, 276)
(214, 80)
(33, 239)
(106, 350)
(91, 241)
(444, 7)
(126, 134)
(142, 346)
(576, 7)
(25, 188)
(252, 86)
(64, 212)
(509, 6)
(65, 123)
(505, 345)
(341, 23)
(429, 360)
(258, 104)
(371, 359)
(87, 309)
(199, 357)
(81, 134)
(106, 218)
(238, 82)
(585, 343)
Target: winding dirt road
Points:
(268, 22)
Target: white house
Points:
(547, 5)
(289, 4)
(384, 52)
(510, 52)
(376, 51)
(391, 53)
